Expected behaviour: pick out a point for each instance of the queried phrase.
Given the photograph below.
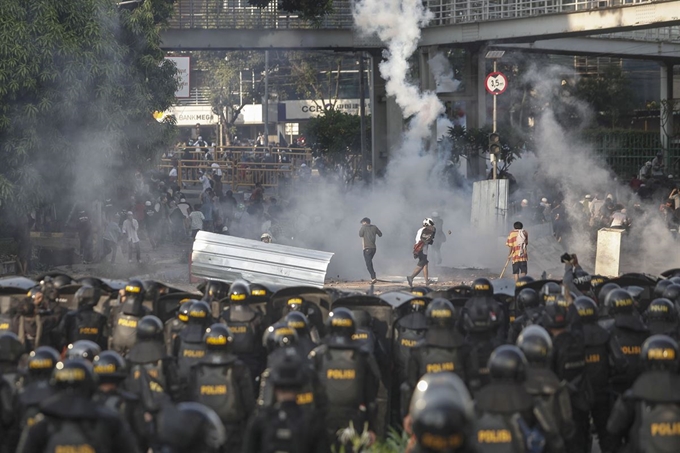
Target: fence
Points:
(238, 14)
(240, 166)
(626, 152)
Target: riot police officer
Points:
(189, 427)
(246, 325)
(11, 351)
(504, 409)
(551, 398)
(214, 293)
(111, 371)
(83, 349)
(661, 318)
(85, 323)
(126, 317)
(442, 348)
(152, 372)
(530, 312)
(441, 416)
(648, 414)
(627, 332)
(175, 325)
(349, 376)
(601, 361)
(220, 381)
(189, 347)
(71, 421)
(36, 386)
(481, 324)
(482, 293)
(672, 293)
(285, 425)
(310, 310)
(298, 321)
(605, 317)
(568, 363)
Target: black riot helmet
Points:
(482, 287)
(587, 309)
(528, 298)
(660, 352)
(11, 348)
(48, 288)
(59, 281)
(441, 413)
(536, 344)
(74, 376)
(110, 367)
(150, 328)
(522, 281)
(239, 292)
(554, 315)
(134, 298)
(549, 292)
(200, 313)
(341, 325)
(660, 287)
(83, 349)
(294, 304)
(218, 338)
(279, 335)
(87, 296)
(440, 312)
(184, 308)
(507, 363)
(619, 301)
(480, 317)
(288, 372)
(41, 362)
(416, 305)
(582, 280)
(661, 310)
(675, 279)
(215, 291)
(212, 433)
(605, 290)
(672, 293)
(299, 322)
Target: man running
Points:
(424, 238)
(368, 234)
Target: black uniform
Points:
(529, 317)
(129, 407)
(246, 324)
(75, 423)
(149, 358)
(85, 324)
(124, 325)
(189, 348)
(10, 427)
(627, 332)
(223, 383)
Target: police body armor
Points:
(214, 385)
(171, 329)
(409, 331)
(660, 427)
(245, 324)
(191, 348)
(124, 329)
(596, 342)
(343, 374)
(89, 325)
(306, 395)
(480, 346)
(627, 334)
(498, 433)
(147, 367)
(529, 317)
(440, 351)
(77, 435)
(30, 398)
(551, 404)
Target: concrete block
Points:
(490, 206)
(608, 256)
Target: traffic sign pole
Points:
(496, 84)
(495, 161)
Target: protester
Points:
(112, 235)
(130, 230)
(518, 242)
(197, 218)
(368, 234)
(424, 238)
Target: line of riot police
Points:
(243, 367)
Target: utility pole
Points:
(266, 98)
(362, 115)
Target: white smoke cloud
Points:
(443, 74)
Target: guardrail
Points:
(232, 14)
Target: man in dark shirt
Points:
(368, 233)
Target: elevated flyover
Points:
(232, 25)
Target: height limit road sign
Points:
(496, 83)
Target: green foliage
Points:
(335, 134)
(79, 81)
(470, 143)
(609, 93)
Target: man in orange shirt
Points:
(518, 242)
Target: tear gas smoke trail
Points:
(563, 159)
(443, 74)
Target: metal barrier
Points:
(236, 14)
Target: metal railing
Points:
(665, 34)
(236, 14)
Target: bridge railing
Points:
(237, 14)
(664, 34)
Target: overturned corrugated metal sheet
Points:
(229, 258)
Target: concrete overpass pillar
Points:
(666, 111)
(428, 83)
(476, 106)
(387, 122)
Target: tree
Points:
(609, 93)
(337, 136)
(79, 82)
